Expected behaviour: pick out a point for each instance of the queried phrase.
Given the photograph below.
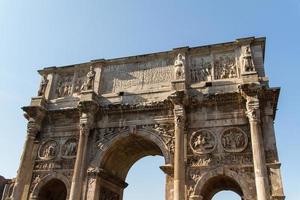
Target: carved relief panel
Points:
(56, 153)
(202, 141)
(201, 68)
(225, 66)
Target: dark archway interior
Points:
(53, 190)
(125, 152)
(220, 183)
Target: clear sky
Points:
(35, 34)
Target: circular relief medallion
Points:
(234, 140)
(202, 141)
(69, 149)
(48, 150)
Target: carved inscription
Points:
(136, 75)
(202, 141)
(234, 140)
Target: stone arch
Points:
(151, 135)
(220, 179)
(47, 179)
(118, 155)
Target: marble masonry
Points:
(208, 111)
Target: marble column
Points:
(27, 160)
(260, 169)
(179, 164)
(86, 121)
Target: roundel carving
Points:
(69, 148)
(48, 150)
(234, 140)
(202, 141)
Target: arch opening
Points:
(226, 195)
(54, 189)
(220, 183)
(126, 151)
(119, 158)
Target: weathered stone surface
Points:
(208, 111)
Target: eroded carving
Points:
(224, 66)
(201, 69)
(167, 134)
(69, 149)
(89, 82)
(248, 64)
(202, 141)
(48, 150)
(64, 85)
(234, 140)
(179, 67)
(43, 86)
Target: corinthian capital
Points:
(35, 116)
(252, 106)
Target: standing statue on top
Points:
(247, 60)
(89, 83)
(43, 86)
(179, 67)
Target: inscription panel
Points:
(129, 77)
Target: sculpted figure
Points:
(179, 67)
(43, 85)
(71, 149)
(50, 151)
(89, 83)
(248, 62)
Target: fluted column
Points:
(260, 169)
(179, 164)
(86, 122)
(34, 116)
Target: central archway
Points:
(120, 154)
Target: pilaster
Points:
(35, 116)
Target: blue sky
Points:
(35, 34)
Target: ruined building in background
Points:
(208, 110)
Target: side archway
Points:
(56, 184)
(218, 180)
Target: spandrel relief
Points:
(201, 69)
(225, 66)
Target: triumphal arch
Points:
(208, 110)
